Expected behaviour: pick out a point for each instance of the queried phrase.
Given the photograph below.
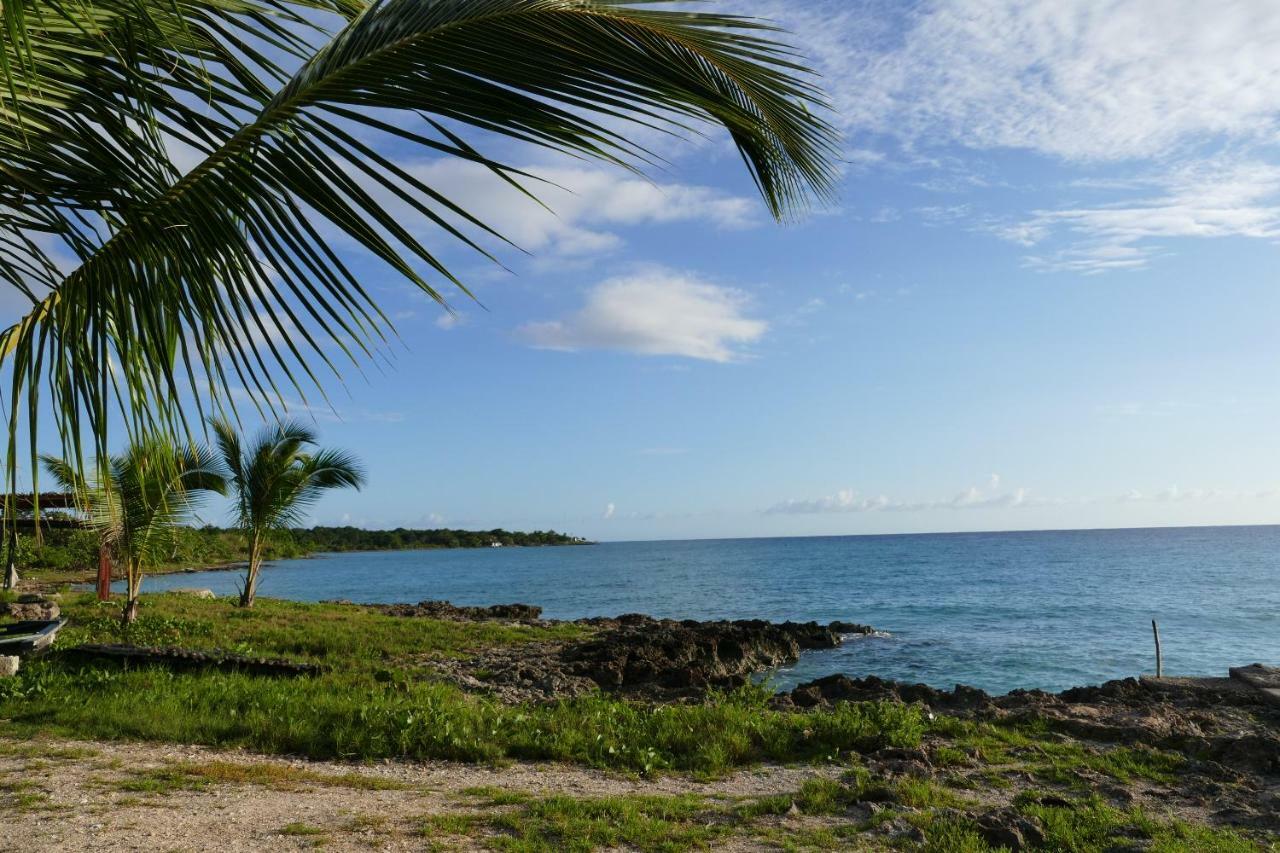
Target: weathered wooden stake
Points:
(104, 573)
(1155, 630)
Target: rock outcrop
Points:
(640, 652)
(456, 613)
(638, 655)
(31, 608)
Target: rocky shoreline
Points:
(1231, 733)
(632, 655)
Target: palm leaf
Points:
(195, 284)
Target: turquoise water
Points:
(994, 610)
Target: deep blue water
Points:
(995, 610)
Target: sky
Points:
(1045, 298)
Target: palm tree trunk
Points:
(11, 560)
(255, 565)
(133, 580)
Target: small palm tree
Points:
(139, 498)
(275, 479)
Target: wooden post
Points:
(104, 573)
(1155, 630)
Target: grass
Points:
(297, 828)
(188, 776)
(689, 822)
(22, 796)
(1034, 748)
(374, 700)
(644, 823)
(1090, 824)
(345, 715)
(336, 636)
(161, 781)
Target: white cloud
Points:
(848, 500)
(609, 510)
(449, 320)
(1077, 79)
(581, 204)
(1214, 198)
(1187, 91)
(991, 497)
(655, 312)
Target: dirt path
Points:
(72, 795)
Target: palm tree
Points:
(274, 480)
(156, 291)
(138, 499)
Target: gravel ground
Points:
(81, 797)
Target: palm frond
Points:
(196, 283)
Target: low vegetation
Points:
(69, 555)
(376, 698)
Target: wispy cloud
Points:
(1181, 105)
(991, 497)
(655, 312)
(578, 208)
(1203, 199)
(448, 320)
(849, 500)
(1077, 79)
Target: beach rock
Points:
(36, 610)
(1008, 829)
(894, 761)
(8, 666)
(635, 655)
(193, 592)
(639, 652)
(831, 689)
(455, 613)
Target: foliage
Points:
(276, 478)
(71, 555)
(138, 499)
(326, 539)
(222, 278)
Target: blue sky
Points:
(1046, 298)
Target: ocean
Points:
(999, 611)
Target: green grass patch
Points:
(1090, 824)
(284, 778)
(1056, 759)
(341, 637)
(22, 796)
(356, 713)
(645, 823)
(493, 796)
(448, 823)
(303, 829)
(164, 780)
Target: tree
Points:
(274, 480)
(156, 290)
(139, 499)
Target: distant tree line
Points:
(75, 550)
(318, 539)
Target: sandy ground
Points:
(78, 799)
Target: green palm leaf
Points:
(194, 284)
(275, 480)
(138, 499)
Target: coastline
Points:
(45, 581)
